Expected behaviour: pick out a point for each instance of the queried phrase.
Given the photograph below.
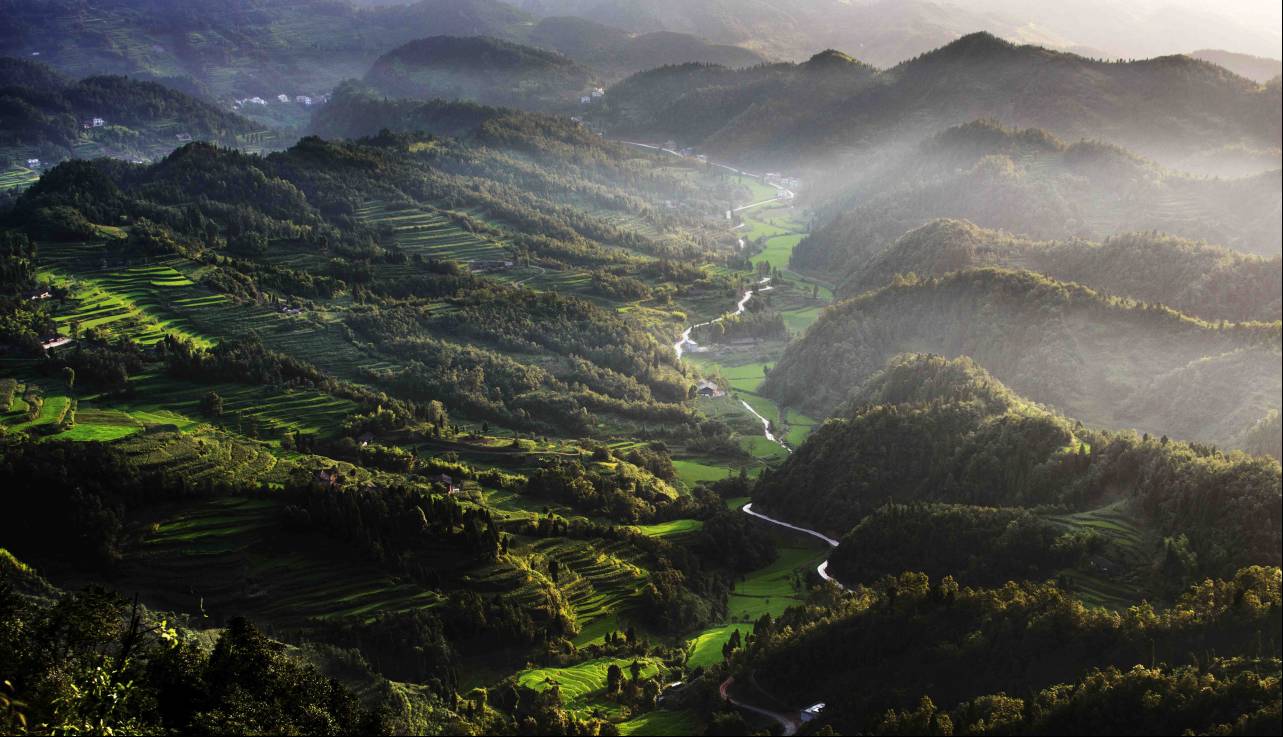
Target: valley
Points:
(574, 367)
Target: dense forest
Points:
(1106, 360)
(1201, 280)
(927, 432)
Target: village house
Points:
(706, 388)
(184, 137)
(303, 100)
(283, 97)
(812, 711)
(328, 477)
(585, 100)
(598, 92)
(33, 163)
(445, 481)
(38, 293)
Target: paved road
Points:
(823, 568)
(790, 722)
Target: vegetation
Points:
(1106, 360)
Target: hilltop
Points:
(1033, 184)
(48, 117)
(480, 69)
(1173, 109)
(1198, 279)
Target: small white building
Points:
(598, 92)
(184, 137)
(303, 100)
(283, 97)
(98, 122)
(585, 100)
(33, 163)
(812, 711)
(255, 101)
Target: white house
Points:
(598, 92)
(283, 98)
(184, 137)
(812, 711)
(99, 122)
(33, 163)
(303, 99)
(255, 101)
(585, 100)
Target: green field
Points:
(583, 686)
(1115, 579)
(769, 590)
(671, 528)
(660, 722)
(18, 176)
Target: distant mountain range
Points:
(1031, 183)
(1171, 108)
(887, 32)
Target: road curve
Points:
(789, 722)
(823, 568)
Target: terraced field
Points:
(18, 176)
(583, 686)
(215, 556)
(598, 578)
(142, 303)
(432, 234)
(1116, 578)
(660, 722)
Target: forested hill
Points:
(1198, 279)
(44, 115)
(616, 54)
(480, 69)
(1030, 183)
(920, 655)
(927, 430)
(1171, 108)
(370, 226)
(1107, 361)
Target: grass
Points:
(583, 686)
(672, 528)
(768, 590)
(17, 177)
(661, 722)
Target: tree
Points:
(69, 375)
(212, 405)
(614, 678)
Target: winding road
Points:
(789, 722)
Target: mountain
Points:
(886, 32)
(1031, 183)
(616, 54)
(1108, 361)
(1200, 280)
(1256, 68)
(1169, 108)
(711, 106)
(257, 48)
(45, 116)
(883, 33)
(480, 69)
